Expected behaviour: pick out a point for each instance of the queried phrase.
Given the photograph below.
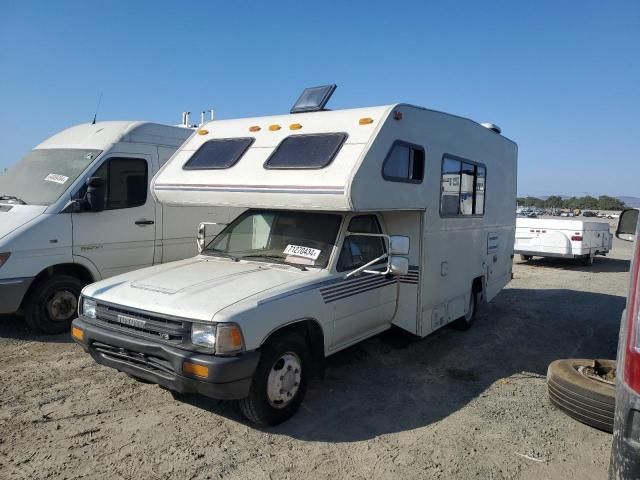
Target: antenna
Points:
(95, 115)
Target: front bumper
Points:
(228, 378)
(12, 291)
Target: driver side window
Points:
(126, 182)
(359, 250)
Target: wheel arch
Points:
(478, 286)
(72, 269)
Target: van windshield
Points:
(43, 175)
(294, 238)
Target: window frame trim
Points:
(248, 146)
(345, 236)
(344, 135)
(475, 182)
(414, 146)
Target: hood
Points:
(14, 216)
(196, 288)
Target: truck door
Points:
(122, 236)
(366, 302)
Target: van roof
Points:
(103, 134)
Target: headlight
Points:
(88, 307)
(4, 257)
(203, 335)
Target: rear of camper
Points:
(577, 239)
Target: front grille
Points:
(168, 330)
(148, 362)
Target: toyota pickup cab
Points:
(78, 208)
(356, 220)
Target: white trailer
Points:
(546, 237)
(53, 240)
(357, 220)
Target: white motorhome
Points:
(547, 237)
(55, 237)
(353, 225)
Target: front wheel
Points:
(52, 303)
(279, 383)
(465, 322)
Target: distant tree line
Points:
(603, 202)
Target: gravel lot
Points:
(453, 405)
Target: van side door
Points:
(363, 303)
(122, 236)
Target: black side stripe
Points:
(357, 292)
(376, 283)
(366, 283)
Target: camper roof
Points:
(349, 178)
(102, 134)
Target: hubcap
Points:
(62, 306)
(284, 380)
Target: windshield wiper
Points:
(218, 253)
(277, 260)
(11, 197)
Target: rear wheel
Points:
(279, 383)
(526, 258)
(52, 303)
(465, 322)
(588, 260)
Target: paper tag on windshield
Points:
(304, 252)
(54, 177)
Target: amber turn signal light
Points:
(196, 370)
(77, 333)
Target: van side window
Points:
(404, 163)
(359, 250)
(313, 151)
(218, 153)
(462, 187)
(126, 180)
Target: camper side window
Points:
(313, 151)
(126, 181)
(218, 154)
(359, 250)
(404, 163)
(462, 188)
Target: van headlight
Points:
(224, 338)
(88, 307)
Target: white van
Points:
(353, 225)
(547, 237)
(54, 240)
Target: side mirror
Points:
(95, 194)
(201, 236)
(399, 266)
(399, 245)
(627, 225)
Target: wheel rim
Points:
(469, 315)
(284, 378)
(62, 306)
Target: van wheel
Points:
(279, 383)
(584, 390)
(526, 258)
(464, 322)
(52, 303)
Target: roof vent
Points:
(492, 126)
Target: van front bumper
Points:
(228, 378)
(12, 291)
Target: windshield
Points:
(43, 175)
(295, 238)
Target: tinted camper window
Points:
(306, 151)
(218, 153)
(462, 187)
(404, 163)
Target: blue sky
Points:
(562, 79)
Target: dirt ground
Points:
(453, 405)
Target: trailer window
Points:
(306, 151)
(359, 250)
(462, 187)
(404, 163)
(218, 153)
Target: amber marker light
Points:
(295, 126)
(254, 128)
(203, 132)
(274, 127)
(77, 333)
(365, 121)
(196, 370)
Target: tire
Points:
(261, 406)
(52, 303)
(587, 260)
(526, 258)
(465, 322)
(582, 398)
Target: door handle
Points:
(144, 222)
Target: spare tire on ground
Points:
(585, 390)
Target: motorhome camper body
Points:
(351, 228)
(547, 237)
(52, 243)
